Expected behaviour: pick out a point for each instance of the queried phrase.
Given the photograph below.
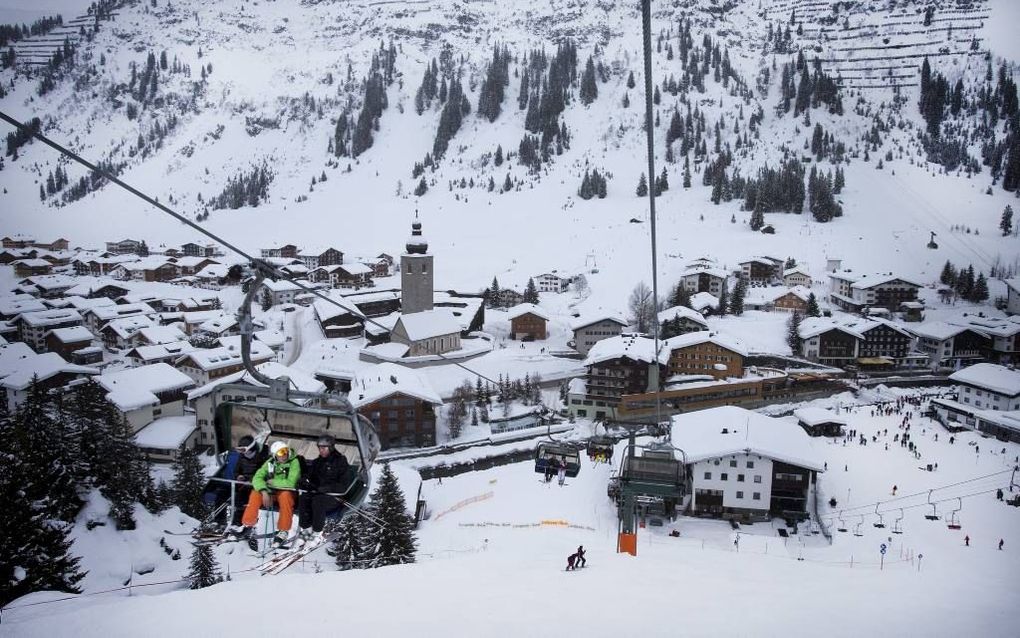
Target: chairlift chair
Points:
(548, 451)
(934, 516)
(954, 520)
(601, 446)
(857, 528)
(897, 527)
(881, 521)
(842, 525)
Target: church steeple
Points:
(416, 245)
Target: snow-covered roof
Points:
(862, 326)
(989, 325)
(325, 310)
(127, 327)
(700, 435)
(704, 270)
(154, 335)
(632, 347)
(50, 317)
(863, 282)
(13, 357)
(106, 313)
(430, 323)
(218, 325)
(280, 285)
(215, 358)
(50, 282)
(380, 381)
(577, 385)
(683, 312)
(13, 307)
(133, 388)
(161, 351)
(356, 268)
(1013, 284)
(817, 416)
(590, 320)
(993, 377)
(43, 366)
(939, 330)
(814, 326)
(71, 335)
(522, 309)
(33, 263)
(166, 433)
(379, 326)
(703, 336)
(84, 304)
(213, 271)
(300, 381)
(796, 270)
(702, 300)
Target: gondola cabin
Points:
(549, 453)
(601, 448)
(268, 421)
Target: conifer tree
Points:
(1006, 223)
(724, 302)
(980, 291)
(737, 300)
(630, 80)
(680, 296)
(812, 306)
(793, 333)
(530, 292)
(204, 570)
(948, 276)
(188, 483)
(642, 187)
(393, 542)
(687, 172)
(589, 87)
(351, 544)
(492, 294)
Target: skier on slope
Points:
(277, 481)
(327, 474)
(561, 472)
(570, 561)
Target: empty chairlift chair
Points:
(954, 519)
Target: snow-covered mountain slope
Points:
(264, 84)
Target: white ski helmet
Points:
(280, 450)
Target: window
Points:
(708, 476)
(724, 476)
(757, 478)
(716, 461)
(756, 496)
(740, 478)
(750, 465)
(733, 463)
(740, 495)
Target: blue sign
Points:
(883, 548)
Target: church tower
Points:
(416, 273)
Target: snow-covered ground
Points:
(494, 565)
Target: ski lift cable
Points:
(646, 29)
(832, 517)
(870, 506)
(260, 265)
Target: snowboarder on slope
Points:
(275, 482)
(570, 561)
(581, 561)
(326, 475)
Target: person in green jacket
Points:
(277, 481)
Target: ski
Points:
(193, 533)
(231, 538)
(279, 563)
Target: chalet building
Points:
(988, 401)
(829, 343)
(950, 345)
(797, 276)
(121, 333)
(100, 266)
(820, 422)
(400, 403)
(317, 257)
(710, 280)
(683, 319)
(1013, 296)
(192, 249)
(295, 271)
(99, 316)
(11, 255)
(161, 441)
(124, 247)
(427, 332)
(192, 321)
(108, 291)
(213, 276)
(853, 292)
(744, 465)
(336, 321)
(49, 369)
(188, 266)
(704, 303)
(33, 326)
(1003, 334)
(528, 322)
(352, 275)
(56, 245)
(205, 365)
(66, 341)
(154, 268)
(158, 353)
(47, 286)
(758, 270)
(289, 251)
(223, 325)
(11, 307)
(551, 282)
(146, 393)
(794, 300)
(704, 353)
(591, 330)
(468, 309)
(617, 366)
(508, 298)
(379, 266)
(32, 267)
(17, 242)
(202, 400)
(279, 292)
(882, 340)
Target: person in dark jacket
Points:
(326, 475)
(581, 560)
(242, 463)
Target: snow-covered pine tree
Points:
(204, 570)
(393, 542)
(589, 88)
(530, 292)
(352, 542)
(188, 483)
(737, 300)
(812, 306)
(793, 333)
(642, 187)
(724, 300)
(980, 290)
(948, 276)
(1006, 223)
(492, 294)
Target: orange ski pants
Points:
(284, 500)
